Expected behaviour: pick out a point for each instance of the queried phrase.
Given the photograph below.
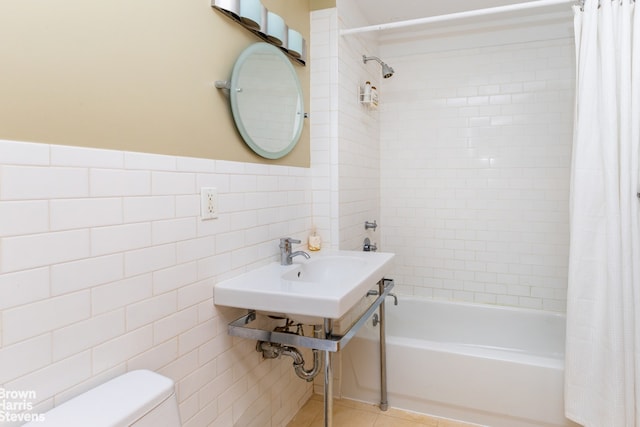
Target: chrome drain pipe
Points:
(272, 343)
(272, 350)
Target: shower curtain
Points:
(602, 371)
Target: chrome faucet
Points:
(390, 294)
(368, 246)
(286, 256)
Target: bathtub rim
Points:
(481, 305)
(512, 355)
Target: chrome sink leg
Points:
(328, 377)
(384, 404)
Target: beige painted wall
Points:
(129, 75)
(322, 4)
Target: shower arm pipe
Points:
(454, 16)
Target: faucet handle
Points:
(368, 225)
(286, 241)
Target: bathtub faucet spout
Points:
(395, 298)
(391, 294)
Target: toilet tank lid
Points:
(120, 401)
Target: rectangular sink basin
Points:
(327, 269)
(325, 286)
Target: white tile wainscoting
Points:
(105, 267)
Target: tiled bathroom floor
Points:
(349, 413)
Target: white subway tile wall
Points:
(105, 267)
(359, 135)
(476, 152)
(324, 125)
(345, 155)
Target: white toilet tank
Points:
(138, 398)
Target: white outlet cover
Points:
(208, 203)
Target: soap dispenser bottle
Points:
(315, 242)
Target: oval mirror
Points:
(266, 101)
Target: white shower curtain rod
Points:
(453, 16)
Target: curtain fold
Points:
(602, 370)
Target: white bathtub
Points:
(496, 366)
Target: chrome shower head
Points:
(387, 71)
